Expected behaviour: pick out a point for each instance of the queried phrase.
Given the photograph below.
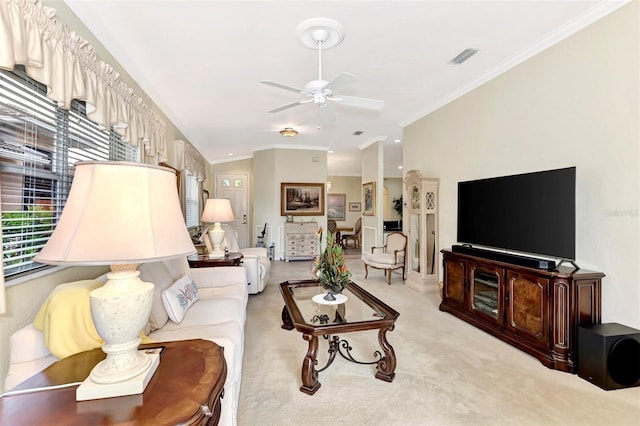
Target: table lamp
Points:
(217, 210)
(119, 214)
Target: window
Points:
(39, 146)
(192, 202)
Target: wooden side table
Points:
(185, 389)
(203, 261)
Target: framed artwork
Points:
(355, 206)
(336, 205)
(301, 199)
(369, 197)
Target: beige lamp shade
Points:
(119, 213)
(217, 210)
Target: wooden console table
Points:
(185, 389)
(535, 310)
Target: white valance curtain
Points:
(31, 35)
(188, 158)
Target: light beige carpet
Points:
(448, 372)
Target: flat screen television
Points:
(530, 213)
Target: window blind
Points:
(192, 202)
(39, 146)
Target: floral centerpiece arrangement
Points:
(330, 269)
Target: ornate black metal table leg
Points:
(310, 382)
(287, 323)
(387, 365)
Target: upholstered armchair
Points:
(389, 257)
(256, 260)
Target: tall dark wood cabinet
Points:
(535, 310)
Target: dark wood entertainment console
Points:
(535, 310)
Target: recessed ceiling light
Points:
(396, 141)
(230, 154)
(330, 151)
(399, 167)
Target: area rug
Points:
(448, 372)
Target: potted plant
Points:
(330, 269)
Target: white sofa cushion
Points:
(210, 312)
(28, 355)
(178, 298)
(157, 274)
(228, 292)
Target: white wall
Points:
(351, 186)
(575, 104)
(395, 187)
(271, 167)
(372, 161)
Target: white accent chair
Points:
(255, 260)
(389, 257)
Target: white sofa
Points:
(219, 315)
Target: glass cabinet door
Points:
(485, 291)
(414, 240)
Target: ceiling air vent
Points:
(466, 54)
(358, 133)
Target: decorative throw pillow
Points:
(178, 298)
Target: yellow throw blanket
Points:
(65, 320)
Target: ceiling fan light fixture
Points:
(288, 132)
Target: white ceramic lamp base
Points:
(89, 390)
(119, 310)
(217, 237)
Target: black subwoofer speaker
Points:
(609, 355)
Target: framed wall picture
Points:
(336, 206)
(369, 197)
(355, 206)
(301, 199)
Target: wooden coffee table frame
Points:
(292, 318)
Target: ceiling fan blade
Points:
(326, 114)
(283, 107)
(343, 80)
(359, 102)
(281, 86)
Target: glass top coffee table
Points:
(307, 312)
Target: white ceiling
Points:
(201, 62)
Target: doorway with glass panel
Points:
(235, 187)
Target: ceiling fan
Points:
(323, 33)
